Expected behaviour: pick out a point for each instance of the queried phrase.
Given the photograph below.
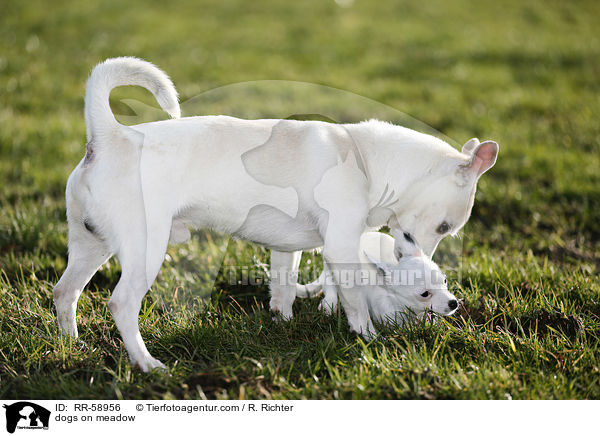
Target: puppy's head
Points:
(442, 204)
(415, 283)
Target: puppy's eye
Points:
(425, 294)
(445, 280)
(443, 228)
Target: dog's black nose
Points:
(453, 304)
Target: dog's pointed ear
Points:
(483, 158)
(470, 145)
(406, 246)
(382, 267)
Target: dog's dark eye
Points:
(443, 228)
(445, 280)
(425, 294)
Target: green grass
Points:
(524, 74)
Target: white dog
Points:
(288, 185)
(406, 281)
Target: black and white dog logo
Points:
(26, 415)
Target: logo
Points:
(26, 415)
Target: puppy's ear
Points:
(470, 145)
(483, 158)
(382, 267)
(405, 246)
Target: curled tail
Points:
(311, 289)
(122, 71)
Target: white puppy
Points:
(288, 185)
(406, 281)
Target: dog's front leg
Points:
(342, 196)
(341, 254)
(341, 257)
(330, 292)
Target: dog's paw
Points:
(281, 311)
(67, 327)
(149, 364)
(280, 316)
(328, 307)
(369, 335)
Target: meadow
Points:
(526, 74)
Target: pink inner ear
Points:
(487, 151)
(484, 157)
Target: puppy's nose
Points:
(453, 304)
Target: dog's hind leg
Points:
(86, 254)
(284, 279)
(141, 256)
